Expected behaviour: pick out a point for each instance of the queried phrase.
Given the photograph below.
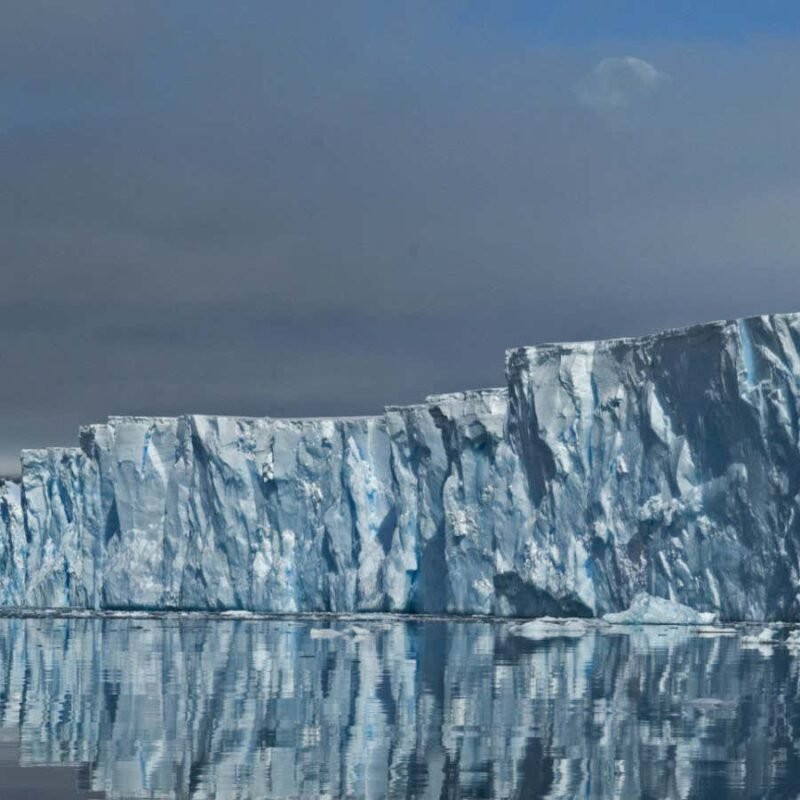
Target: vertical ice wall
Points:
(283, 515)
(13, 545)
(62, 563)
(666, 464)
(400, 511)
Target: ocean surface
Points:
(191, 706)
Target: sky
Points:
(304, 208)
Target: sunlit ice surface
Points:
(177, 706)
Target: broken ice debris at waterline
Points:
(667, 464)
(648, 610)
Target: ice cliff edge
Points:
(667, 464)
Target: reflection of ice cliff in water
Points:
(240, 708)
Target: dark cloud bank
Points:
(299, 210)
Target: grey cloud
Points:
(299, 210)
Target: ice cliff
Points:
(667, 464)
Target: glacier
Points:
(667, 465)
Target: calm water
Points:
(220, 708)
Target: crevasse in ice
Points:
(667, 465)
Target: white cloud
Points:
(615, 84)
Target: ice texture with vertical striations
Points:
(667, 465)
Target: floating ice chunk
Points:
(549, 628)
(714, 630)
(767, 636)
(648, 610)
(764, 642)
(353, 631)
(325, 633)
(793, 640)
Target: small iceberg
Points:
(648, 610)
(353, 631)
(764, 641)
(767, 636)
(550, 627)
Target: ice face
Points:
(667, 464)
(673, 460)
(62, 557)
(13, 546)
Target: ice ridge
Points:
(667, 465)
